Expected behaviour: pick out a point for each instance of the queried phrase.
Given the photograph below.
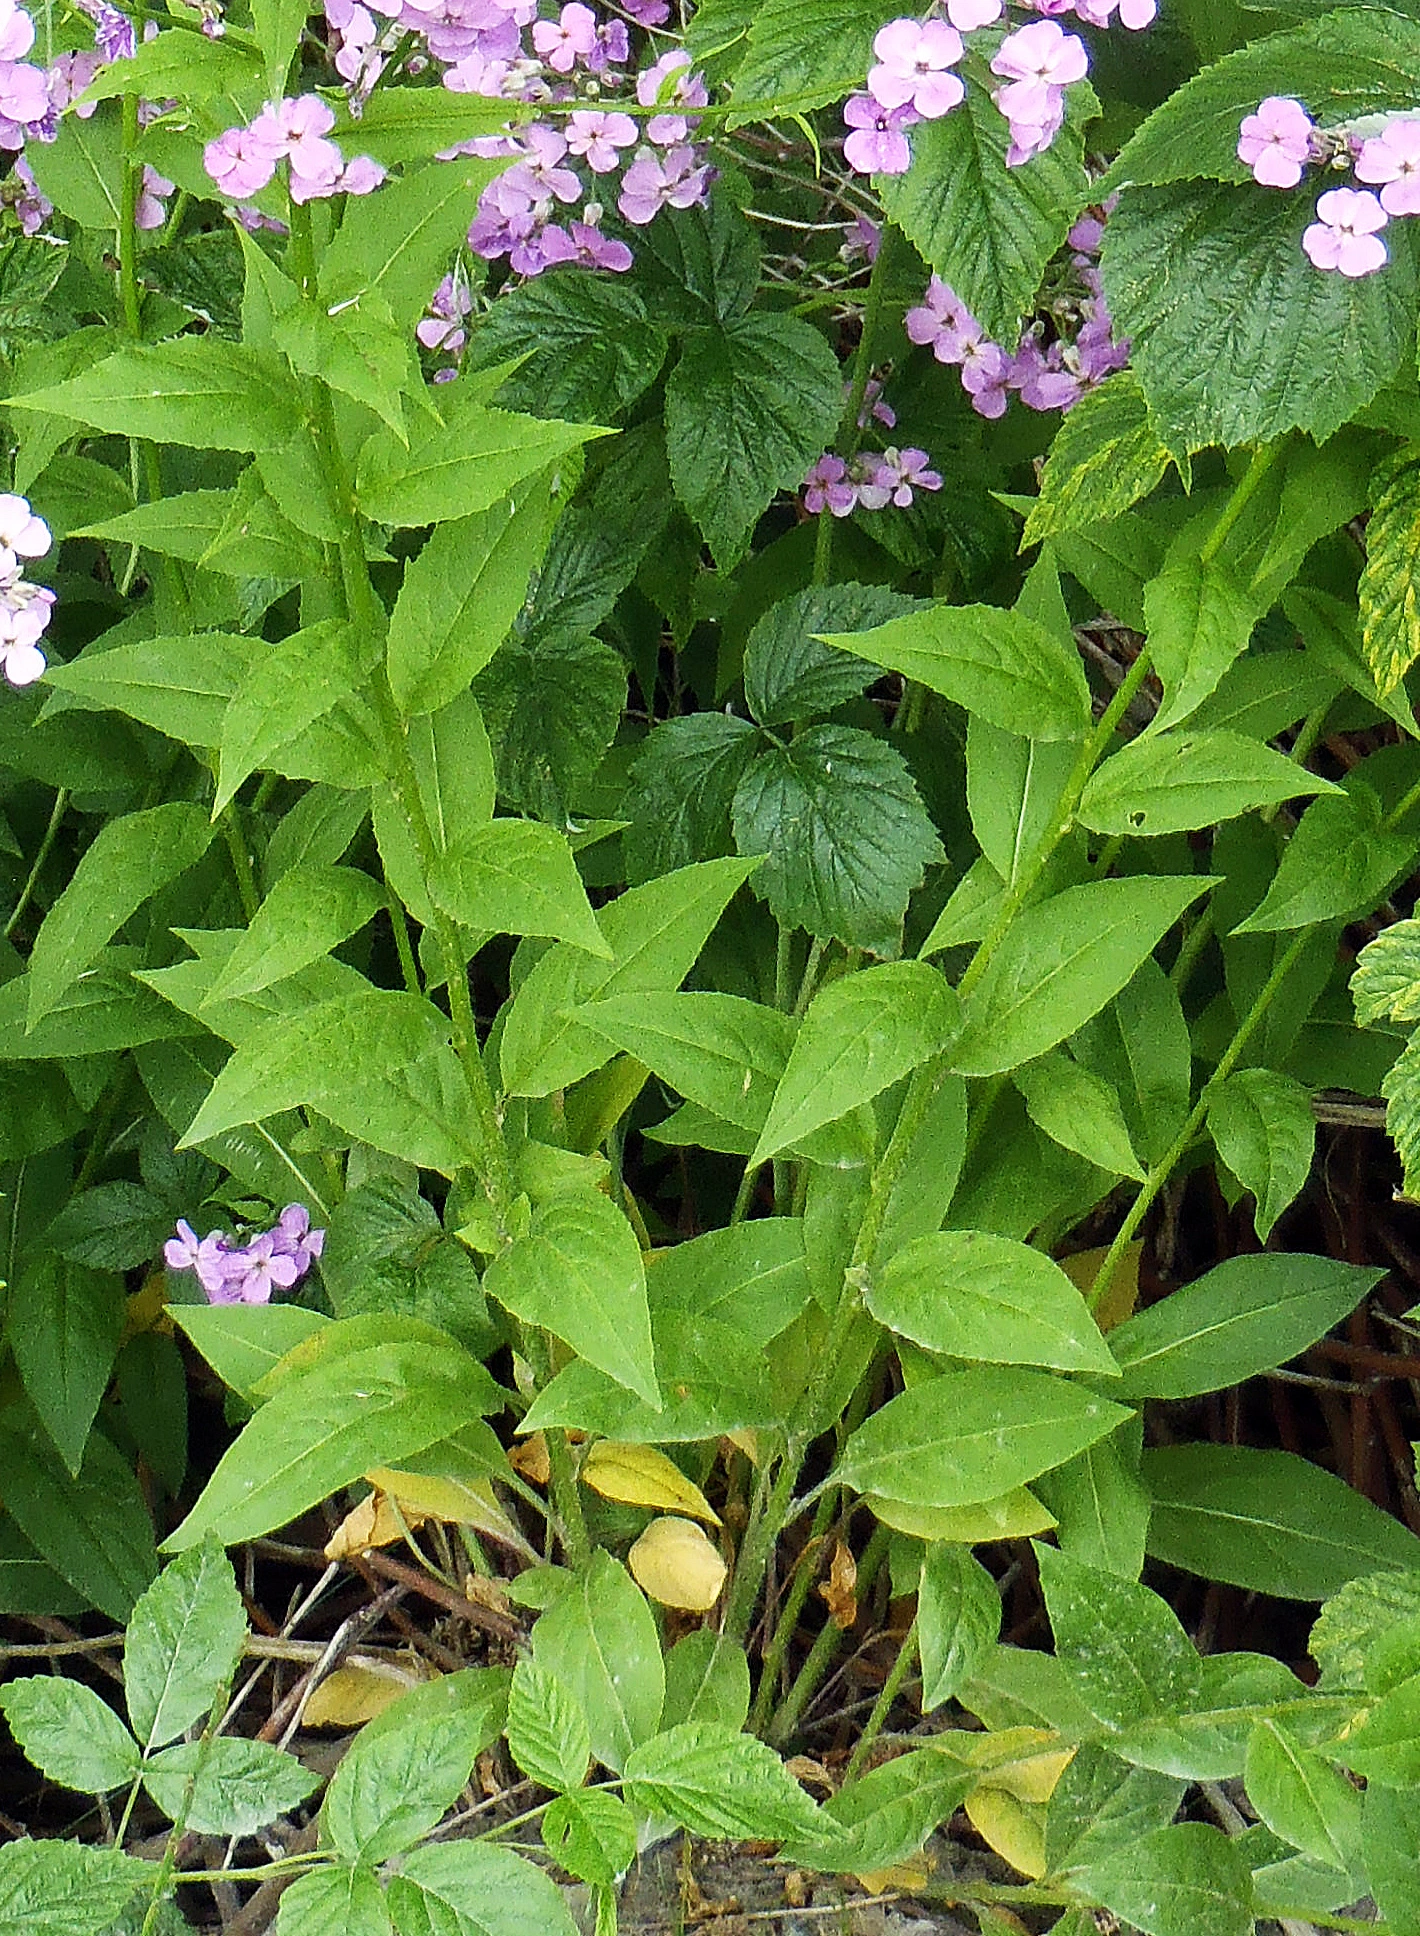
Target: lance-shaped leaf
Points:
(199, 391)
(308, 912)
(1168, 783)
(516, 877)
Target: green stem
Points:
(1407, 803)
(882, 1706)
(810, 976)
(1159, 1174)
(787, 1624)
(827, 1642)
(241, 862)
(849, 434)
(128, 219)
(1265, 458)
(572, 1523)
(46, 845)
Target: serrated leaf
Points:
(1390, 581)
(1385, 983)
(547, 1731)
(591, 1834)
(470, 1889)
(1079, 1110)
(460, 467)
(1199, 615)
(1106, 455)
(59, 1888)
(308, 912)
(397, 1782)
(718, 1782)
(682, 785)
(789, 673)
(71, 1736)
(599, 1639)
(553, 703)
(516, 877)
(1336, 866)
(584, 345)
(183, 1642)
(1303, 1798)
(336, 1901)
(800, 56)
(236, 1786)
(844, 834)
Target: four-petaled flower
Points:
(1345, 235)
(1393, 158)
(1275, 142)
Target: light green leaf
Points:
(591, 1834)
(237, 1786)
(1390, 1827)
(1104, 457)
(720, 1051)
(1101, 1804)
(1079, 1110)
(1168, 783)
(516, 877)
(1263, 1128)
(579, 1274)
(860, 1034)
(470, 1889)
(1337, 865)
(199, 391)
(547, 1731)
(1013, 791)
(465, 465)
(180, 686)
(1246, 1316)
(1186, 1880)
(718, 1782)
(1390, 611)
(453, 764)
(1200, 617)
(183, 1643)
(334, 1902)
(460, 597)
(308, 912)
(1100, 1506)
(1124, 1648)
(129, 860)
(1001, 665)
(395, 1784)
(81, 170)
(958, 1620)
(58, 1888)
(599, 1639)
(1061, 961)
(1401, 1089)
(706, 1681)
(1385, 983)
(885, 1816)
(325, 1427)
(72, 1737)
(355, 349)
(972, 1435)
(314, 676)
(1303, 1798)
(970, 1294)
(406, 1094)
(1267, 1521)
(277, 24)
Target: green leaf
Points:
(970, 1294)
(1186, 1880)
(308, 912)
(553, 703)
(405, 1094)
(1101, 1805)
(790, 675)
(1101, 1509)
(277, 24)
(591, 1834)
(1390, 1828)
(325, 1427)
(64, 1328)
(1365, 1613)
(1385, 983)
(1267, 1521)
(720, 1051)
(860, 1034)
(313, 678)
(71, 1736)
(705, 1681)
(395, 1785)
(93, 1529)
(397, 244)
(579, 1273)
(1236, 338)
(201, 392)
(174, 64)
(972, 1435)
(1303, 1798)
(885, 1816)
(183, 1643)
(1390, 622)
(718, 1782)
(986, 229)
(1079, 1110)
(334, 1901)
(1061, 961)
(459, 467)
(1003, 666)
(81, 170)
(1105, 456)
(237, 1786)
(681, 790)
(1126, 1651)
(844, 832)
(57, 1888)
(517, 877)
(453, 764)
(599, 1639)
(1263, 1128)
(460, 597)
(582, 344)
(1200, 617)
(749, 406)
(180, 686)
(547, 1731)
(1169, 783)
(355, 348)
(1336, 866)
(399, 124)
(1246, 1316)
(958, 1620)
(130, 859)
(656, 934)
(803, 54)
(1401, 1089)
(470, 1889)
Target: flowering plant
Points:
(688, 895)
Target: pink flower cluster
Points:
(243, 160)
(24, 608)
(1046, 375)
(232, 1273)
(913, 77)
(870, 481)
(1280, 141)
(25, 107)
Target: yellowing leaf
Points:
(907, 1877)
(1014, 1829)
(373, 1522)
(639, 1475)
(1390, 583)
(1119, 1300)
(675, 1563)
(146, 1310)
(531, 1460)
(461, 1502)
(839, 1589)
(1015, 1515)
(353, 1695)
(1026, 1762)
(745, 1440)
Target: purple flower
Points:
(1037, 62)
(442, 328)
(874, 408)
(114, 34)
(1393, 157)
(209, 1257)
(361, 176)
(943, 321)
(241, 162)
(828, 487)
(24, 98)
(863, 240)
(1040, 378)
(584, 244)
(878, 144)
(612, 48)
(913, 67)
(1344, 236)
(253, 1273)
(649, 13)
(20, 530)
(894, 476)
(294, 1238)
(1275, 143)
(68, 77)
(568, 39)
(967, 15)
(652, 182)
(985, 375)
(670, 79)
(597, 136)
